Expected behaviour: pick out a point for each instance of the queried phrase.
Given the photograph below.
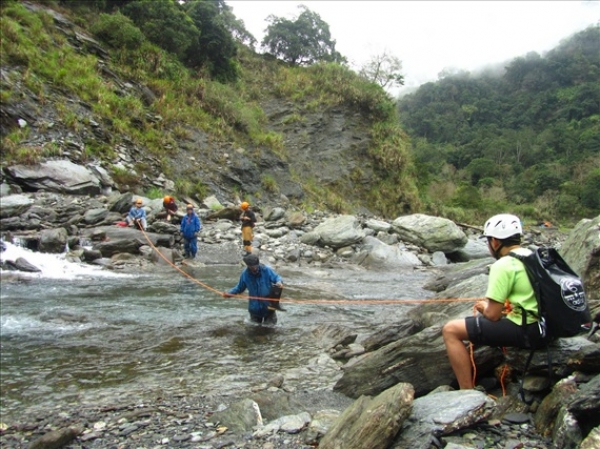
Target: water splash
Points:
(54, 266)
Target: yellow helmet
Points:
(138, 201)
(245, 205)
(189, 206)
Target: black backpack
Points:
(562, 305)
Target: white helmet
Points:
(502, 226)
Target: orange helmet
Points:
(245, 205)
(167, 198)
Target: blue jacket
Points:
(190, 225)
(257, 285)
(137, 213)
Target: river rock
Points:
(21, 265)
(60, 176)
(340, 231)
(227, 253)
(380, 255)
(371, 422)
(330, 335)
(389, 334)
(419, 359)
(585, 403)
(14, 205)
(54, 439)
(567, 434)
(592, 441)
(473, 249)
(94, 216)
(547, 412)
(162, 256)
(230, 213)
(274, 214)
(111, 247)
(129, 233)
(378, 225)
(121, 203)
(432, 233)
(53, 240)
(452, 275)
(294, 219)
(581, 251)
(440, 414)
(240, 416)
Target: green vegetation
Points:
(526, 141)
(198, 77)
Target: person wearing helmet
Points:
(170, 206)
(248, 219)
(507, 284)
(189, 228)
(258, 279)
(137, 215)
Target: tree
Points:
(303, 41)
(164, 23)
(383, 69)
(215, 47)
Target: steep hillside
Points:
(527, 139)
(320, 136)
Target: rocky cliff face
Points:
(324, 148)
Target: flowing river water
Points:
(78, 334)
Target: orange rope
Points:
(304, 301)
(503, 374)
(472, 354)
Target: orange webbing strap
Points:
(503, 374)
(305, 301)
(472, 354)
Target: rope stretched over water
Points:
(303, 301)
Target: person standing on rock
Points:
(190, 227)
(508, 287)
(170, 206)
(258, 279)
(137, 215)
(248, 219)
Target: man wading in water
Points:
(258, 279)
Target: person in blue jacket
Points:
(137, 215)
(258, 279)
(190, 226)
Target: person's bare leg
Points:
(454, 333)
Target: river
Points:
(79, 334)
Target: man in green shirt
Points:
(508, 283)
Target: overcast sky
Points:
(429, 36)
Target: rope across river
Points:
(305, 301)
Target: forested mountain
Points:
(526, 139)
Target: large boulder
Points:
(119, 233)
(371, 422)
(419, 359)
(340, 231)
(53, 240)
(13, 205)
(56, 176)
(581, 251)
(432, 233)
(440, 414)
(380, 255)
(111, 247)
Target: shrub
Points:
(118, 31)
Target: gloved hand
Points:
(226, 295)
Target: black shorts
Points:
(503, 332)
(270, 318)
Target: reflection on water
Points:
(95, 339)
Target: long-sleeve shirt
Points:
(137, 213)
(190, 224)
(258, 285)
